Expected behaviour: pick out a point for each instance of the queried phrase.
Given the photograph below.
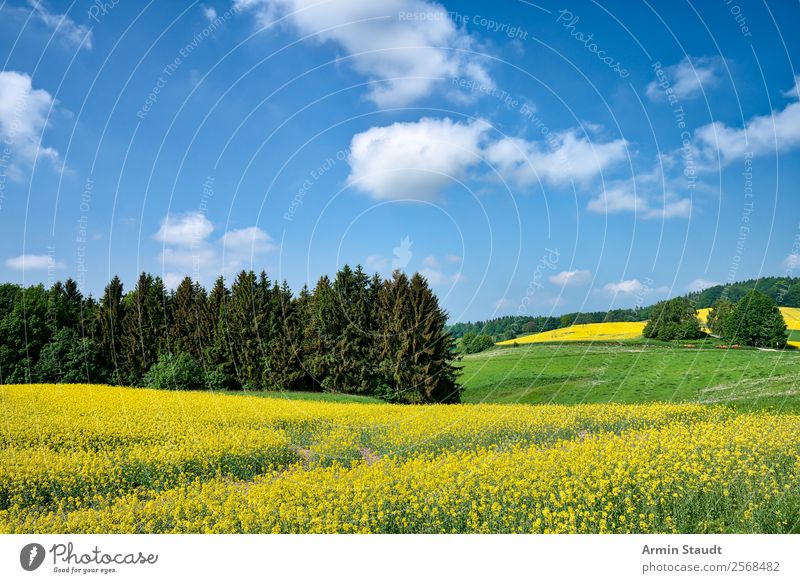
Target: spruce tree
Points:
(110, 314)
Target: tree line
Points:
(353, 334)
(754, 320)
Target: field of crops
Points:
(82, 458)
(615, 331)
(607, 331)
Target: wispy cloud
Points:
(404, 46)
(63, 27)
(574, 278)
(33, 263)
(689, 78)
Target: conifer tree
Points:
(110, 315)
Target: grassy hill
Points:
(633, 372)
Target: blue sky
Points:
(528, 158)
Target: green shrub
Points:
(177, 372)
(673, 320)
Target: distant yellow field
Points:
(625, 330)
(584, 332)
(791, 315)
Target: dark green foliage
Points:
(719, 317)
(24, 330)
(415, 351)
(144, 332)
(356, 334)
(673, 320)
(785, 291)
(68, 358)
(188, 331)
(181, 372)
(510, 327)
(471, 343)
(756, 321)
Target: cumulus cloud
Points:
(624, 287)
(649, 195)
(416, 160)
(437, 277)
(377, 263)
(407, 47)
(33, 263)
(690, 78)
(574, 278)
(190, 249)
(184, 230)
(23, 118)
(63, 27)
(778, 131)
(700, 284)
(632, 287)
(565, 157)
(792, 261)
(431, 261)
(250, 240)
(413, 160)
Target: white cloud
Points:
(210, 13)
(574, 278)
(777, 131)
(184, 230)
(700, 284)
(413, 160)
(377, 263)
(189, 249)
(23, 118)
(431, 261)
(62, 25)
(567, 156)
(625, 287)
(453, 258)
(688, 79)
(633, 287)
(33, 262)
(792, 261)
(250, 240)
(401, 45)
(438, 277)
(648, 194)
(416, 160)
